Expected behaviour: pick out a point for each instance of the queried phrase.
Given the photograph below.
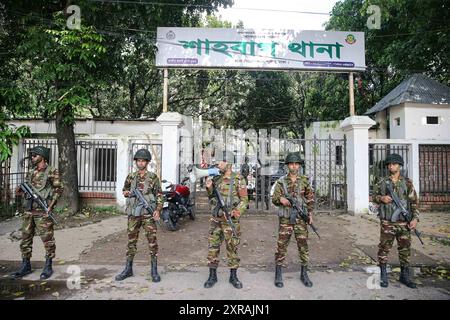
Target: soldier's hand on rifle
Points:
(310, 220)
(208, 183)
(156, 215)
(413, 224)
(235, 213)
(285, 202)
(386, 199)
(126, 193)
(19, 191)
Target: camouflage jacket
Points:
(239, 197)
(404, 188)
(299, 189)
(151, 189)
(46, 183)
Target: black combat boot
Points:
(25, 269)
(127, 272)
(47, 271)
(234, 279)
(154, 271)
(304, 277)
(278, 277)
(212, 278)
(384, 282)
(405, 278)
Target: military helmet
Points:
(394, 158)
(143, 154)
(42, 151)
(293, 157)
(226, 156)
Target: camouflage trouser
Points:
(285, 230)
(134, 225)
(389, 232)
(43, 226)
(219, 231)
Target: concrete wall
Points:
(126, 134)
(397, 131)
(416, 121)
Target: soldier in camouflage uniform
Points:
(148, 183)
(233, 189)
(398, 229)
(297, 186)
(45, 181)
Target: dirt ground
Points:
(188, 246)
(340, 262)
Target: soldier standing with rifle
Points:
(43, 181)
(296, 186)
(394, 225)
(231, 189)
(142, 213)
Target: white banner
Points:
(260, 49)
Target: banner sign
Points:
(260, 49)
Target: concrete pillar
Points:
(414, 166)
(356, 129)
(122, 168)
(171, 123)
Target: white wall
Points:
(98, 127)
(395, 131)
(416, 124)
(381, 131)
(323, 129)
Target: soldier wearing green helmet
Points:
(148, 183)
(297, 186)
(392, 227)
(45, 182)
(233, 189)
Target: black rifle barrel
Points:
(144, 202)
(42, 203)
(222, 205)
(297, 208)
(405, 213)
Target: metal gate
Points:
(434, 169)
(324, 164)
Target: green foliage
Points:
(10, 136)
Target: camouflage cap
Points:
(143, 154)
(394, 158)
(42, 151)
(293, 157)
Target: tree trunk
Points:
(67, 160)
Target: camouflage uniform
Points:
(139, 217)
(219, 229)
(45, 182)
(301, 190)
(396, 230)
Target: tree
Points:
(64, 60)
(414, 37)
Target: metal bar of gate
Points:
(329, 171)
(315, 170)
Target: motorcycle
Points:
(177, 204)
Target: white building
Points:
(414, 121)
(418, 108)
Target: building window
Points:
(397, 122)
(432, 120)
(105, 164)
(339, 155)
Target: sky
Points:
(279, 20)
